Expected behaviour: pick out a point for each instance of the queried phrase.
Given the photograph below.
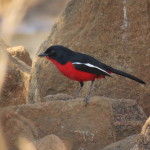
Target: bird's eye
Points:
(52, 53)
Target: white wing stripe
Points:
(90, 65)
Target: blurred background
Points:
(28, 22)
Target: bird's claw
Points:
(86, 100)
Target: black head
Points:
(57, 52)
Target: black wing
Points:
(90, 68)
(88, 64)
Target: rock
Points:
(16, 126)
(21, 53)
(25, 144)
(135, 142)
(60, 96)
(143, 142)
(102, 122)
(124, 144)
(3, 61)
(15, 87)
(51, 142)
(2, 141)
(101, 29)
(126, 124)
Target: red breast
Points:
(69, 70)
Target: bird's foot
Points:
(87, 100)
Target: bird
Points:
(81, 67)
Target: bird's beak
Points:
(42, 54)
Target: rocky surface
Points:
(102, 122)
(3, 61)
(134, 142)
(51, 142)
(21, 53)
(124, 144)
(60, 96)
(16, 126)
(15, 87)
(113, 32)
(143, 142)
(126, 124)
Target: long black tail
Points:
(123, 74)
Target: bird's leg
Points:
(89, 93)
(78, 91)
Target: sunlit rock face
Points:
(113, 32)
(15, 82)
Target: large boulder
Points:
(113, 32)
(21, 53)
(102, 122)
(15, 87)
(21, 132)
(15, 126)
